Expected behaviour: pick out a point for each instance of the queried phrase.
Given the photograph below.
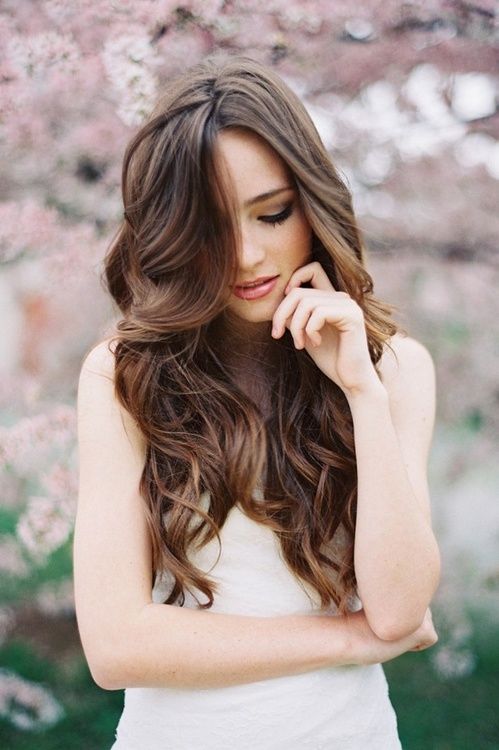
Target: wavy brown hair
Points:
(169, 269)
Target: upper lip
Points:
(259, 280)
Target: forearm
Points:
(170, 646)
(396, 556)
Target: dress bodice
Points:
(338, 707)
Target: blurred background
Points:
(404, 95)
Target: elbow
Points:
(105, 666)
(394, 623)
(394, 630)
(397, 621)
(112, 659)
(397, 624)
(106, 676)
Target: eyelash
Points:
(278, 218)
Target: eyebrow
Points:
(265, 196)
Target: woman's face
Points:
(276, 237)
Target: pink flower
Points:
(11, 560)
(44, 526)
(128, 60)
(28, 443)
(25, 704)
(56, 598)
(26, 227)
(34, 56)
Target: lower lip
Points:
(253, 292)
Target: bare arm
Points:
(175, 647)
(130, 641)
(396, 555)
(200, 649)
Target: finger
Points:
(316, 321)
(312, 272)
(341, 313)
(299, 321)
(288, 305)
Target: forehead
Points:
(250, 162)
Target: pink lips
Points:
(253, 292)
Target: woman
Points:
(253, 536)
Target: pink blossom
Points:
(61, 483)
(34, 56)
(177, 46)
(128, 60)
(11, 560)
(45, 526)
(208, 11)
(26, 227)
(77, 252)
(10, 487)
(453, 663)
(56, 598)
(27, 705)
(28, 443)
(76, 13)
(299, 15)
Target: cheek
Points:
(300, 239)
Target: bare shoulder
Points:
(98, 407)
(406, 360)
(99, 359)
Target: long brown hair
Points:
(169, 269)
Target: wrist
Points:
(373, 393)
(334, 640)
(353, 638)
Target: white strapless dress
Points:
(333, 708)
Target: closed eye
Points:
(278, 218)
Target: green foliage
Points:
(8, 520)
(455, 714)
(474, 420)
(91, 713)
(57, 567)
(456, 333)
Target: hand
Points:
(364, 646)
(330, 326)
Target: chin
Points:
(264, 314)
(256, 319)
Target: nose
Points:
(251, 251)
